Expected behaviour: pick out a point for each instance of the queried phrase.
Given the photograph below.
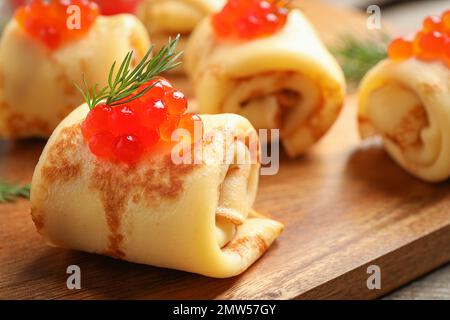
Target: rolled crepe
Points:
(287, 80)
(36, 83)
(408, 105)
(192, 217)
(167, 18)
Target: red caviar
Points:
(176, 102)
(249, 19)
(429, 44)
(128, 131)
(168, 127)
(189, 122)
(111, 7)
(400, 49)
(52, 24)
(128, 148)
(446, 21)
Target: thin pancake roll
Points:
(286, 80)
(192, 217)
(164, 18)
(36, 87)
(408, 104)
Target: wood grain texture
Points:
(346, 206)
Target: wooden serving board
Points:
(345, 204)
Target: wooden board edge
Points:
(398, 268)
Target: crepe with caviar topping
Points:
(164, 18)
(36, 83)
(286, 80)
(195, 217)
(408, 104)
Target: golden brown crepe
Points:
(287, 80)
(192, 217)
(408, 105)
(167, 18)
(36, 83)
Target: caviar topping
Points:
(111, 7)
(249, 19)
(432, 43)
(137, 110)
(47, 22)
(126, 132)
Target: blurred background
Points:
(405, 15)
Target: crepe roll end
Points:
(407, 104)
(195, 217)
(287, 80)
(33, 103)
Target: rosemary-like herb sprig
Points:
(357, 56)
(126, 82)
(9, 191)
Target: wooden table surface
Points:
(346, 206)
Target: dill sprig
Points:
(10, 192)
(122, 88)
(357, 55)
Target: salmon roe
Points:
(49, 22)
(432, 43)
(128, 131)
(249, 19)
(111, 7)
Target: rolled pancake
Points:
(167, 18)
(287, 80)
(192, 217)
(37, 90)
(408, 105)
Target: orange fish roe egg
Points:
(48, 21)
(400, 49)
(168, 127)
(431, 23)
(193, 124)
(446, 21)
(447, 56)
(432, 43)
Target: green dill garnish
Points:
(122, 88)
(10, 192)
(358, 55)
